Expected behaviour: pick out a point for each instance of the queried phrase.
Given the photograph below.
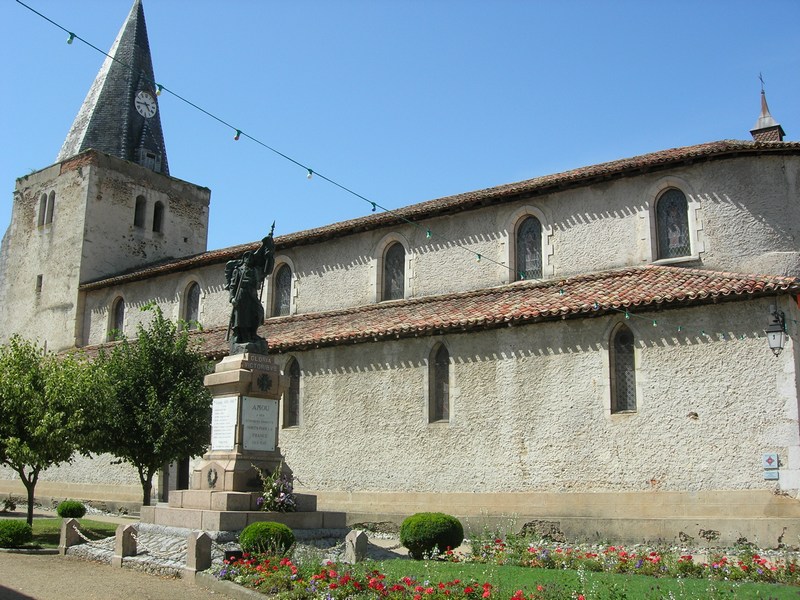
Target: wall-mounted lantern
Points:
(776, 332)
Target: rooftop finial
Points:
(766, 128)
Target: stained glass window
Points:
(439, 377)
(623, 384)
(672, 219)
(291, 397)
(394, 272)
(529, 249)
(282, 295)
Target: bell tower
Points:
(107, 205)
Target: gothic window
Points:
(158, 217)
(623, 371)
(672, 221)
(191, 311)
(529, 249)
(439, 385)
(291, 397)
(282, 293)
(51, 205)
(42, 209)
(117, 325)
(394, 272)
(139, 211)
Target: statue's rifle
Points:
(235, 301)
(261, 291)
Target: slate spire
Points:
(108, 120)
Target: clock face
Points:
(145, 104)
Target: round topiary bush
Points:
(71, 509)
(14, 533)
(266, 537)
(423, 532)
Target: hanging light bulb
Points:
(310, 174)
(428, 234)
(374, 206)
(71, 38)
(478, 257)
(159, 87)
(238, 133)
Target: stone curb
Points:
(41, 551)
(227, 588)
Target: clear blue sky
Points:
(402, 101)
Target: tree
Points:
(45, 402)
(156, 409)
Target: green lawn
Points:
(46, 532)
(563, 583)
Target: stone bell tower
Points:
(107, 205)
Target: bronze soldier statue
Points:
(244, 279)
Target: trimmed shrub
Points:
(423, 532)
(266, 537)
(71, 509)
(14, 533)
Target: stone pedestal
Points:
(244, 425)
(225, 486)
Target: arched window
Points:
(191, 311)
(117, 325)
(529, 249)
(42, 209)
(439, 385)
(394, 272)
(282, 292)
(158, 217)
(139, 211)
(672, 222)
(291, 397)
(51, 206)
(623, 371)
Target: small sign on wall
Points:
(769, 460)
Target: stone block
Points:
(225, 501)
(175, 499)
(306, 502)
(224, 521)
(333, 520)
(198, 553)
(355, 546)
(69, 535)
(196, 499)
(124, 544)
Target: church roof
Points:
(635, 289)
(418, 212)
(108, 120)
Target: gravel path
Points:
(53, 577)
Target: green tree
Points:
(156, 409)
(45, 402)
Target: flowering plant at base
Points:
(336, 582)
(278, 495)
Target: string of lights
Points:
(311, 173)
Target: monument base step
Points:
(235, 520)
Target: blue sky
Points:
(401, 101)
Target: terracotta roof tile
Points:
(635, 289)
(494, 195)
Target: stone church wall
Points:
(530, 411)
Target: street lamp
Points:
(776, 332)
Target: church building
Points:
(623, 364)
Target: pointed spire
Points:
(766, 128)
(108, 120)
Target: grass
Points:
(506, 580)
(47, 532)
